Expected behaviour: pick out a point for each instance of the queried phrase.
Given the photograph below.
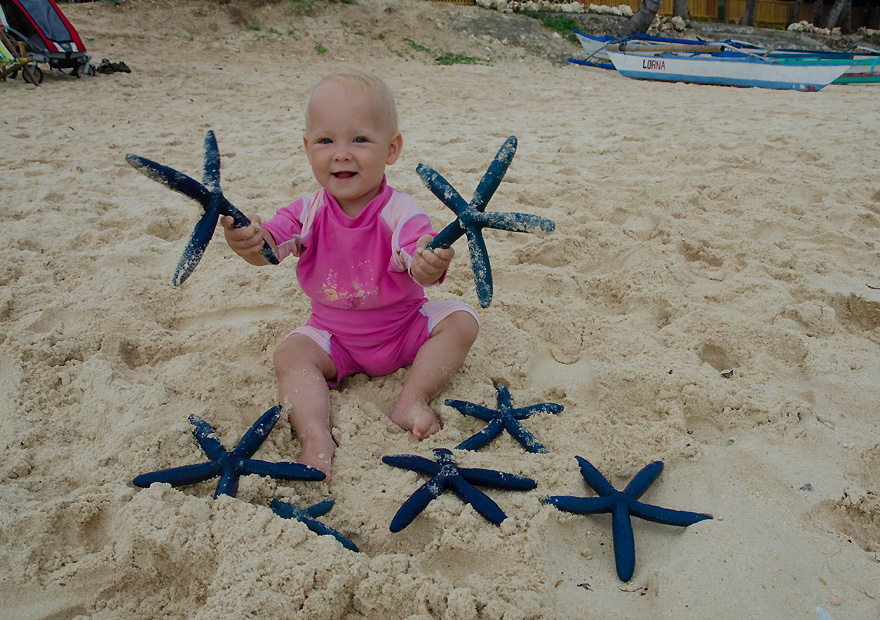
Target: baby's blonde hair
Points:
(368, 85)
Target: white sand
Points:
(699, 230)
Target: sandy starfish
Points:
(470, 218)
(505, 417)
(445, 474)
(230, 465)
(208, 194)
(621, 505)
(308, 516)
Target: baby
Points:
(362, 260)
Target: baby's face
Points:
(348, 145)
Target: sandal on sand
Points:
(113, 67)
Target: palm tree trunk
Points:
(748, 16)
(846, 19)
(817, 12)
(680, 9)
(795, 12)
(641, 20)
(834, 14)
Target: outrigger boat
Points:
(712, 64)
(865, 62)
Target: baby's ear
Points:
(306, 145)
(394, 148)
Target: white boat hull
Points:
(594, 46)
(728, 71)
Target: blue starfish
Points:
(499, 419)
(445, 473)
(470, 218)
(230, 465)
(621, 505)
(208, 194)
(309, 518)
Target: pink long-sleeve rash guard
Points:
(355, 270)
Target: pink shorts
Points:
(388, 356)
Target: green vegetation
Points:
(416, 46)
(448, 58)
(352, 28)
(256, 26)
(444, 58)
(303, 8)
(320, 49)
(557, 23)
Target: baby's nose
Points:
(342, 153)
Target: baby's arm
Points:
(428, 266)
(247, 242)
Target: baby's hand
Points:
(247, 242)
(428, 266)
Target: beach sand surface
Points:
(709, 299)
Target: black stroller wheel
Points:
(37, 72)
(87, 69)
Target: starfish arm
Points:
(180, 476)
(481, 502)
(524, 437)
(666, 516)
(256, 434)
(196, 246)
(228, 484)
(492, 179)
(480, 265)
(580, 505)
(211, 174)
(413, 463)
(442, 189)
(595, 479)
(280, 471)
(207, 438)
(624, 542)
(497, 479)
(516, 222)
(475, 411)
(483, 437)
(521, 413)
(170, 178)
(325, 530)
(240, 220)
(502, 397)
(307, 517)
(321, 508)
(446, 237)
(286, 510)
(643, 480)
(417, 502)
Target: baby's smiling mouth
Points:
(345, 174)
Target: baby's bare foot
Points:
(415, 416)
(317, 451)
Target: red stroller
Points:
(48, 36)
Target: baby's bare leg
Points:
(302, 368)
(438, 359)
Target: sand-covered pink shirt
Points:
(355, 270)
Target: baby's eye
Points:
(360, 139)
(325, 141)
